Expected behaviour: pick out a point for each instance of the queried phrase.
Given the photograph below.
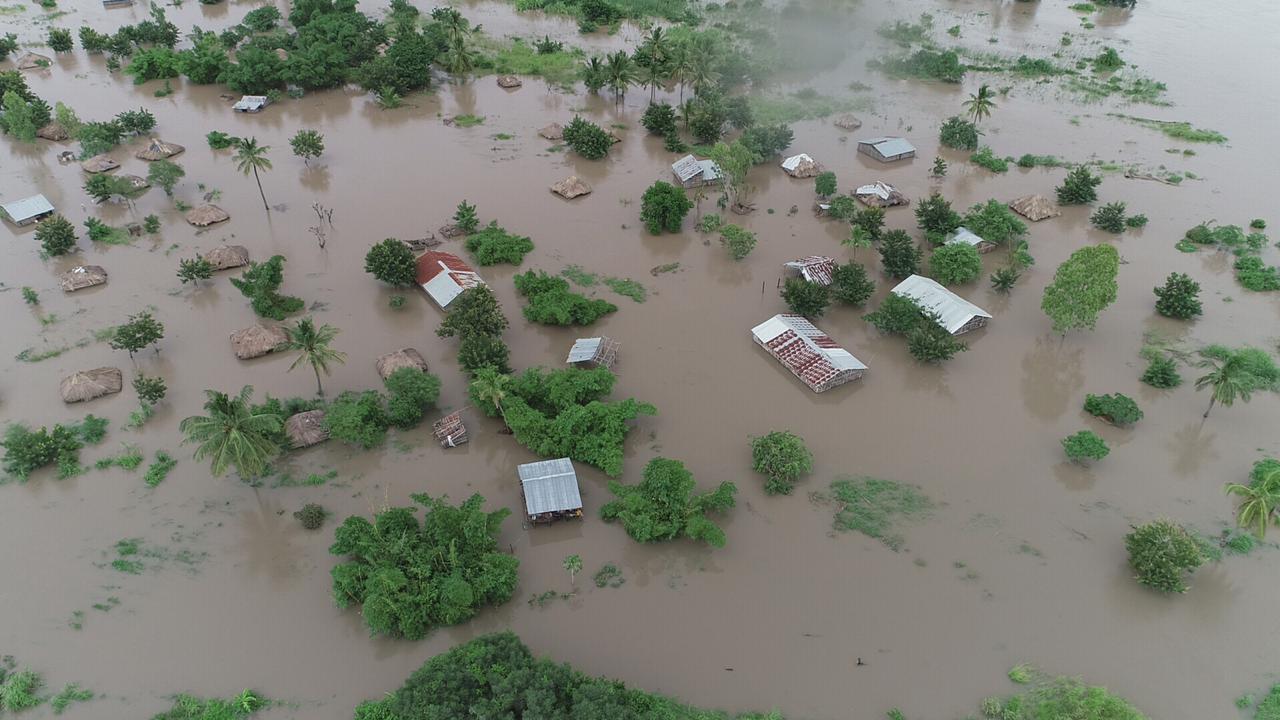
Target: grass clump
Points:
(580, 277)
(627, 287)
(1030, 161)
(608, 576)
(873, 506)
(1022, 673)
(1255, 275)
(767, 110)
(1061, 698)
(129, 459)
(1176, 130)
(159, 470)
(69, 694)
(468, 120)
(559, 67)
(190, 707)
(923, 64)
(19, 690)
(985, 157)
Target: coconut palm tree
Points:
(1228, 379)
(458, 58)
(621, 72)
(702, 65)
(252, 157)
(654, 75)
(312, 345)
(679, 66)
(1260, 500)
(233, 433)
(594, 74)
(657, 48)
(980, 104)
(491, 385)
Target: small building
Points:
(305, 429)
(158, 149)
(815, 268)
(550, 489)
(554, 131)
(226, 257)
(887, 149)
(571, 187)
(801, 166)
(444, 276)
(251, 103)
(99, 164)
(691, 172)
(847, 122)
(90, 384)
(32, 61)
(880, 194)
(593, 352)
(967, 236)
(450, 430)
(27, 210)
(955, 314)
(257, 340)
(81, 277)
(206, 215)
(1035, 207)
(509, 82)
(807, 352)
(398, 360)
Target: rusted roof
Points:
(444, 276)
(806, 351)
(815, 268)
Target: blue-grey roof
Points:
(549, 486)
(889, 146)
(27, 208)
(584, 349)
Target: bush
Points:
(392, 262)
(410, 392)
(809, 299)
(663, 507)
(260, 283)
(93, 41)
(1109, 217)
(480, 351)
(767, 141)
(474, 312)
(985, 157)
(897, 315)
(993, 221)
(1118, 409)
(664, 207)
(924, 64)
(782, 458)
(1085, 445)
(194, 270)
(959, 133)
(1255, 275)
(739, 241)
(899, 254)
(824, 184)
(850, 284)
(357, 418)
(1161, 554)
(956, 263)
(494, 245)
(26, 450)
(60, 40)
(1134, 222)
(311, 515)
(1179, 298)
(659, 119)
(465, 217)
(1162, 372)
(587, 139)
(936, 218)
(165, 175)
(552, 303)
(1079, 187)
(263, 19)
(153, 64)
(220, 141)
(56, 235)
(930, 342)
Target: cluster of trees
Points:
(24, 112)
(927, 340)
(663, 505)
(493, 245)
(261, 283)
(587, 139)
(476, 319)
(551, 302)
(663, 207)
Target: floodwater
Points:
(779, 617)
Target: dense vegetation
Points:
(782, 457)
(552, 303)
(494, 245)
(664, 207)
(663, 506)
(1161, 554)
(261, 282)
(1118, 409)
(927, 340)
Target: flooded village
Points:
(818, 360)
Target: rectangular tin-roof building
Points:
(550, 489)
(27, 210)
(692, 172)
(807, 352)
(887, 149)
(251, 103)
(955, 313)
(815, 268)
(968, 237)
(444, 276)
(593, 352)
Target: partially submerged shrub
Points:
(551, 302)
(357, 418)
(1162, 372)
(1085, 445)
(955, 263)
(986, 157)
(1109, 217)
(782, 458)
(311, 516)
(1079, 187)
(587, 139)
(664, 207)
(494, 245)
(392, 262)
(1118, 409)
(1179, 297)
(959, 133)
(739, 241)
(806, 298)
(1161, 554)
(663, 506)
(410, 391)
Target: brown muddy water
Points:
(777, 618)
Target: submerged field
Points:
(987, 550)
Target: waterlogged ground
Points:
(1022, 561)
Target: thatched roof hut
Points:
(31, 61)
(90, 384)
(81, 277)
(402, 358)
(1034, 207)
(53, 131)
(257, 340)
(98, 164)
(306, 429)
(158, 149)
(509, 81)
(571, 187)
(554, 131)
(207, 215)
(848, 122)
(225, 257)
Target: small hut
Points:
(801, 166)
(815, 268)
(554, 131)
(402, 358)
(1034, 207)
(593, 352)
(880, 194)
(206, 215)
(450, 430)
(550, 489)
(257, 340)
(968, 237)
(158, 149)
(509, 82)
(99, 164)
(53, 131)
(444, 276)
(90, 384)
(887, 149)
(691, 172)
(27, 210)
(225, 257)
(81, 277)
(31, 61)
(571, 187)
(954, 313)
(848, 122)
(306, 429)
(251, 103)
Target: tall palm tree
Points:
(621, 72)
(679, 66)
(1260, 501)
(702, 65)
(594, 75)
(233, 434)
(458, 58)
(491, 385)
(251, 157)
(980, 104)
(1228, 380)
(654, 74)
(312, 345)
(657, 48)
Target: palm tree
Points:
(233, 433)
(1228, 380)
(653, 77)
(702, 65)
(312, 345)
(679, 66)
(458, 57)
(657, 48)
(594, 74)
(621, 72)
(250, 157)
(1261, 499)
(491, 385)
(980, 104)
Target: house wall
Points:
(976, 322)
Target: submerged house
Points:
(691, 172)
(450, 430)
(968, 237)
(954, 313)
(444, 276)
(807, 352)
(880, 194)
(801, 166)
(593, 352)
(550, 489)
(27, 210)
(1034, 207)
(887, 149)
(815, 268)
(251, 103)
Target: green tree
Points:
(194, 270)
(620, 74)
(358, 418)
(936, 218)
(474, 312)
(165, 175)
(851, 285)
(465, 217)
(1085, 445)
(1227, 379)
(994, 222)
(664, 207)
(103, 187)
(1079, 188)
(233, 434)
(205, 61)
(825, 184)
(459, 58)
(573, 564)
(659, 119)
(1083, 286)
(899, 254)
(256, 71)
(1161, 554)
(307, 144)
(476, 352)
(1109, 217)
(150, 390)
(782, 458)
(939, 169)
(392, 262)
(410, 392)
(1260, 499)
(593, 74)
(260, 283)
(956, 263)
(1179, 297)
(929, 342)
(734, 160)
(587, 139)
(60, 40)
(251, 158)
(56, 235)
(312, 345)
(491, 386)
(959, 134)
(980, 104)
(663, 506)
(806, 298)
(859, 238)
(18, 118)
(737, 240)
(140, 331)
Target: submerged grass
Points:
(468, 121)
(128, 459)
(190, 707)
(1175, 129)
(787, 109)
(69, 694)
(159, 470)
(873, 506)
(519, 58)
(580, 276)
(627, 287)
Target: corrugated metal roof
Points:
(27, 208)
(806, 351)
(584, 349)
(710, 171)
(251, 101)
(549, 486)
(878, 188)
(814, 268)
(794, 161)
(953, 310)
(686, 168)
(966, 236)
(444, 276)
(889, 146)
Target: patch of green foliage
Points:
(737, 240)
(985, 157)
(392, 262)
(788, 109)
(955, 263)
(663, 505)
(70, 693)
(260, 283)
(587, 139)
(1030, 161)
(552, 303)
(804, 297)
(580, 276)
(782, 457)
(159, 469)
(627, 288)
(851, 285)
(875, 507)
(1179, 297)
(1161, 372)
(663, 207)
(993, 221)
(358, 418)
(1061, 698)
(26, 450)
(312, 515)
(899, 254)
(1079, 187)
(959, 133)
(923, 64)
(608, 576)
(494, 245)
(1176, 130)
(1109, 217)
(1255, 275)
(468, 121)
(1085, 445)
(1117, 409)
(128, 459)
(410, 392)
(1161, 554)
(189, 707)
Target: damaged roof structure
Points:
(815, 268)
(955, 314)
(807, 352)
(444, 276)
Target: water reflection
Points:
(1051, 376)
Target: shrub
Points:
(151, 224)
(1161, 554)
(1085, 445)
(312, 515)
(220, 141)
(474, 312)
(959, 133)
(56, 235)
(930, 342)
(263, 19)
(93, 41)
(663, 507)
(1258, 224)
(956, 263)
(137, 333)
(659, 119)
(995, 222)
(850, 284)
(1134, 222)
(152, 64)
(897, 314)
(739, 241)
(260, 282)
(1162, 372)
(986, 158)
(824, 184)
(465, 217)
(1179, 297)
(925, 64)
(936, 218)
(480, 351)
(1255, 275)
(357, 418)
(664, 207)
(410, 392)
(60, 40)
(392, 262)
(150, 390)
(194, 270)
(552, 303)
(1079, 187)
(782, 458)
(165, 175)
(587, 139)
(307, 144)
(809, 299)
(1107, 60)
(27, 450)
(767, 141)
(1109, 217)
(1118, 409)
(899, 254)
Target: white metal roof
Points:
(966, 236)
(251, 101)
(584, 349)
(27, 208)
(710, 171)
(889, 146)
(549, 486)
(878, 188)
(686, 168)
(794, 161)
(953, 310)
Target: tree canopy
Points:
(663, 505)
(1083, 286)
(552, 303)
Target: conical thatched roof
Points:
(257, 340)
(1035, 207)
(848, 122)
(306, 429)
(30, 61)
(159, 150)
(53, 131)
(509, 81)
(571, 187)
(81, 277)
(554, 131)
(402, 358)
(90, 384)
(206, 215)
(225, 257)
(99, 163)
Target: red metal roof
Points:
(811, 367)
(434, 262)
